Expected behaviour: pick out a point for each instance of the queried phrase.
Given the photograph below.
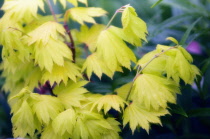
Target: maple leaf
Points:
(178, 64)
(39, 20)
(139, 116)
(64, 122)
(156, 66)
(124, 90)
(143, 91)
(112, 134)
(71, 94)
(114, 51)
(62, 73)
(48, 132)
(44, 33)
(109, 101)
(23, 121)
(83, 14)
(53, 53)
(89, 35)
(94, 64)
(20, 10)
(133, 26)
(14, 51)
(46, 108)
(90, 125)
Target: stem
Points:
(139, 71)
(70, 45)
(129, 92)
(52, 11)
(110, 21)
(20, 31)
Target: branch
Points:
(139, 70)
(71, 45)
(51, 10)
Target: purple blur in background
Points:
(194, 48)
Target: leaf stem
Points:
(19, 31)
(51, 10)
(110, 21)
(139, 70)
(71, 45)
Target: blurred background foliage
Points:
(186, 20)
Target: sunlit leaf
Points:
(133, 26)
(143, 91)
(89, 35)
(94, 64)
(109, 101)
(71, 94)
(114, 51)
(23, 121)
(138, 116)
(64, 122)
(22, 9)
(47, 108)
(62, 73)
(83, 14)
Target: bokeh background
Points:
(186, 20)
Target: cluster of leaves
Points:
(40, 51)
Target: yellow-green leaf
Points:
(71, 94)
(90, 125)
(178, 64)
(124, 90)
(53, 53)
(64, 122)
(23, 121)
(48, 133)
(173, 40)
(94, 64)
(112, 134)
(47, 108)
(84, 14)
(44, 33)
(134, 27)
(114, 51)
(22, 10)
(107, 102)
(154, 91)
(138, 116)
(156, 66)
(62, 73)
(89, 35)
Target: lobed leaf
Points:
(114, 51)
(133, 26)
(144, 94)
(62, 73)
(107, 102)
(138, 116)
(84, 14)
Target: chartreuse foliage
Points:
(40, 54)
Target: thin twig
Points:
(110, 21)
(20, 31)
(52, 11)
(139, 70)
(71, 45)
